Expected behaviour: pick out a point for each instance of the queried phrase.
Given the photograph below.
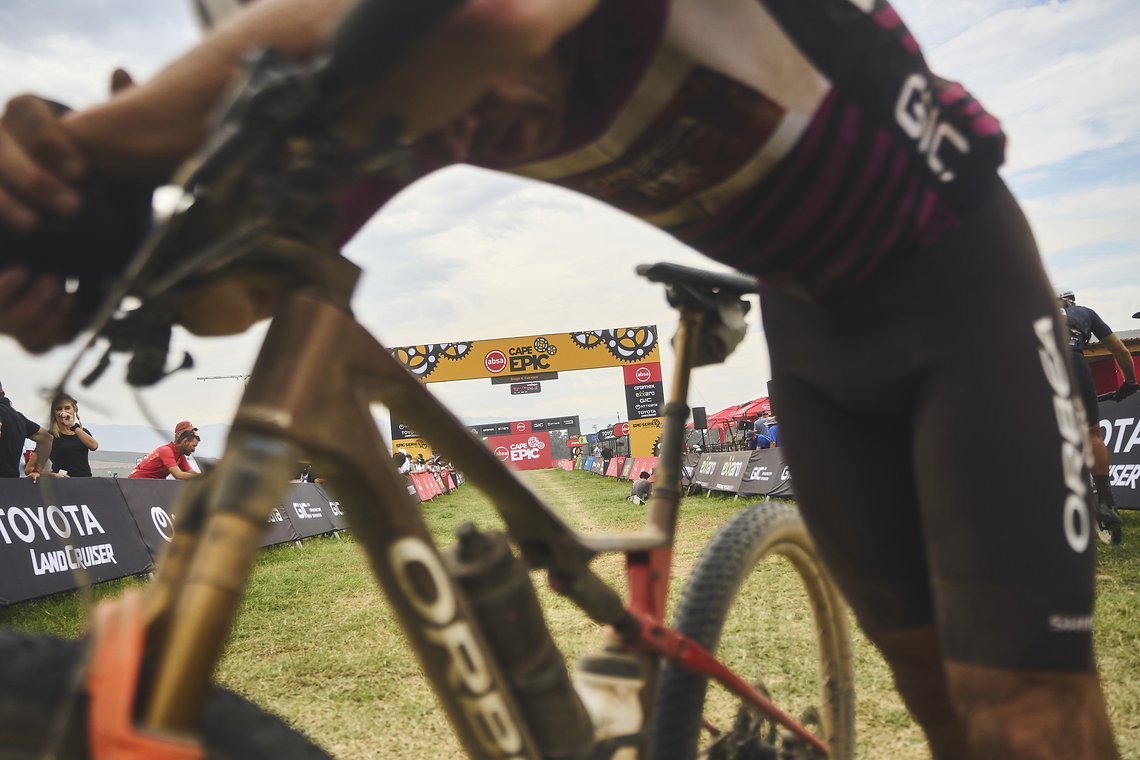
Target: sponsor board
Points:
(526, 451)
(643, 436)
(1120, 425)
(530, 354)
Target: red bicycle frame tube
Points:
(648, 575)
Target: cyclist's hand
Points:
(1125, 390)
(35, 309)
(39, 164)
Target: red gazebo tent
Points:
(751, 409)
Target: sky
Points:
(469, 254)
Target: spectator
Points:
(14, 429)
(639, 491)
(170, 458)
(761, 424)
(774, 432)
(607, 455)
(72, 443)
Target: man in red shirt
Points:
(170, 458)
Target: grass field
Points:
(316, 643)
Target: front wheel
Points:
(42, 716)
(761, 600)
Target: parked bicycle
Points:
(140, 683)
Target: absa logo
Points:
(495, 361)
(642, 374)
(502, 453)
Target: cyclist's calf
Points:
(1041, 715)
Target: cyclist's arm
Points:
(145, 131)
(1123, 359)
(149, 129)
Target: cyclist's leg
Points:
(1007, 514)
(1086, 391)
(950, 338)
(852, 480)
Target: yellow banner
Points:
(412, 447)
(530, 354)
(643, 436)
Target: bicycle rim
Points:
(761, 600)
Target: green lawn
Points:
(316, 643)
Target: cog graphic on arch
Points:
(630, 344)
(587, 339)
(455, 351)
(420, 360)
(543, 346)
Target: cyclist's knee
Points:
(915, 659)
(1010, 714)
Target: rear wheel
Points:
(761, 600)
(41, 717)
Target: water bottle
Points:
(610, 684)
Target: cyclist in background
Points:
(1083, 323)
(805, 142)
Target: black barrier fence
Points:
(761, 472)
(746, 473)
(116, 527)
(1120, 424)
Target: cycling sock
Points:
(1103, 490)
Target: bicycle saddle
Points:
(701, 280)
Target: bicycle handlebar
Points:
(374, 36)
(1124, 391)
(96, 247)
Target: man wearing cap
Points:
(170, 458)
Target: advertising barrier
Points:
(86, 526)
(1120, 424)
(745, 473)
(427, 487)
(526, 451)
(117, 527)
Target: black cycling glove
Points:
(1125, 390)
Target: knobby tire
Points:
(36, 672)
(768, 529)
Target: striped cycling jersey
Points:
(803, 141)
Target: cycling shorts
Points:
(1086, 389)
(928, 429)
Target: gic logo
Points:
(502, 453)
(495, 361)
(642, 374)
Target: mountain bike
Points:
(140, 683)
